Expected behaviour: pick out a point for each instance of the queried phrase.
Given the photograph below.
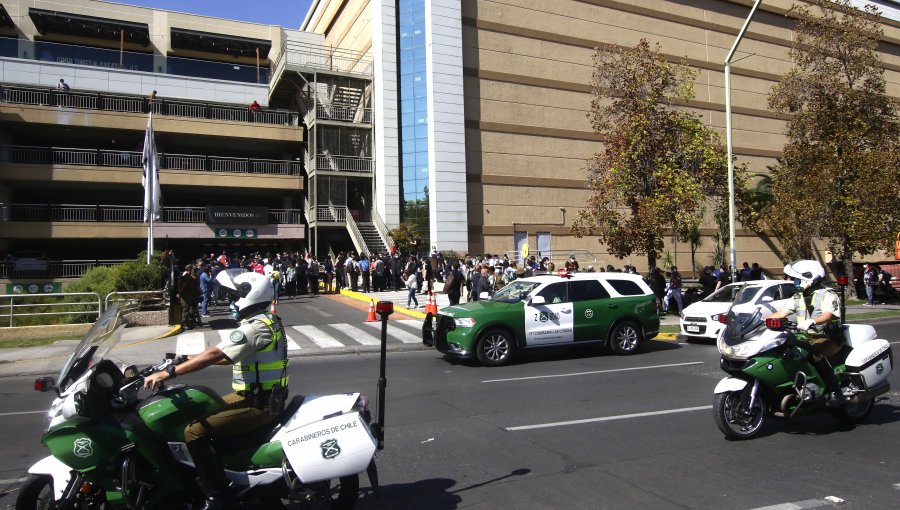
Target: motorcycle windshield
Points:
(741, 327)
(103, 336)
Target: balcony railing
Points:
(331, 213)
(130, 159)
(344, 113)
(54, 269)
(132, 104)
(123, 214)
(325, 58)
(343, 164)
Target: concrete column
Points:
(386, 110)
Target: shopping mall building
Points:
(468, 118)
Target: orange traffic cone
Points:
(434, 308)
(371, 317)
(431, 306)
(272, 308)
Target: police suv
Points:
(616, 310)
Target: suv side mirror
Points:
(538, 300)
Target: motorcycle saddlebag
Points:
(870, 364)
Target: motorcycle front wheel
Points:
(735, 418)
(36, 494)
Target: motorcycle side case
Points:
(870, 364)
(855, 335)
(331, 448)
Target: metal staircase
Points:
(372, 238)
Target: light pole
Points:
(728, 138)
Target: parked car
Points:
(701, 319)
(616, 310)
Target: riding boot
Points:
(833, 394)
(210, 472)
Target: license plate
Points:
(692, 329)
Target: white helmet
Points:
(806, 273)
(255, 291)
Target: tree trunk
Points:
(651, 260)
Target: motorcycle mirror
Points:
(44, 384)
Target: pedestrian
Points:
(673, 290)
(365, 273)
(658, 286)
(290, 280)
(276, 283)
(412, 285)
(205, 289)
(62, 85)
(453, 284)
(312, 273)
(188, 292)
(870, 280)
(884, 282)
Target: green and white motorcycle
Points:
(770, 373)
(111, 449)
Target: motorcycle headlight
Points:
(464, 322)
(747, 349)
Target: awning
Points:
(219, 43)
(55, 22)
(5, 20)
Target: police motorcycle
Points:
(111, 448)
(770, 373)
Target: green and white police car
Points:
(617, 310)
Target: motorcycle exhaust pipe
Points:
(869, 395)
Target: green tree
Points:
(661, 168)
(839, 178)
(404, 235)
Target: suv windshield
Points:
(514, 292)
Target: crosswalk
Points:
(311, 338)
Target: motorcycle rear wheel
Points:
(734, 419)
(345, 499)
(851, 414)
(36, 494)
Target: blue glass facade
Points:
(413, 115)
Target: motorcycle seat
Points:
(261, 434)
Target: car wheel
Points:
(625, 338)
(495, 347)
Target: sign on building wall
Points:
(33, 288)
(228, 215)
(235, 233)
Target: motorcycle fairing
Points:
(55, 469)
(730, 384)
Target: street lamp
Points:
(728, 138)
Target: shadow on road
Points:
(431, 494)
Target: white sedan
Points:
(701, 319)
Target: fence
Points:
(134, 104)
(124, 213)
(86, 304)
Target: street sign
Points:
(33, 288)
(235, 233)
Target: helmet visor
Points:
(226, 277)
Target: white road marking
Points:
(23, 412)
(395, 332)
(363, 337)
(594, 372)
(291, 343)
(417, 323)
(317, 336)
(192, 343)
(608, 418)
(830, 501)
(897, 486)
(13, 480)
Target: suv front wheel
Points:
(495, 347)
(625, 338)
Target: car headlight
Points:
(464, 322)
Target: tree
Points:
(661, 167)
(839, 178)
(404, 236)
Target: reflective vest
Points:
(813, 309)
(266, 367)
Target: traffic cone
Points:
(272, 308)
(371, 317)
(434, 308)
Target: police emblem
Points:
(330, 449)
(588, 313)
(237, 337)
(83, 447)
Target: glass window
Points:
(587, 290)
(787, 291)
(771, 292)
(555, 293)
(626, 287)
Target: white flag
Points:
(150, 180)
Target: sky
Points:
(287, 13)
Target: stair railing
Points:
(355, 235)
(383, 232)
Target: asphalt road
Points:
(462, 436)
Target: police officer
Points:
(818, 309)
(257, 349)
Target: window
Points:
(626, 287)
(787, 291)
(587, 290)
(555, 293)
(771, 292)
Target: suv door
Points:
(592, 309)
(551, 322)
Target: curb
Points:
(364, 298)
(667, 337)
